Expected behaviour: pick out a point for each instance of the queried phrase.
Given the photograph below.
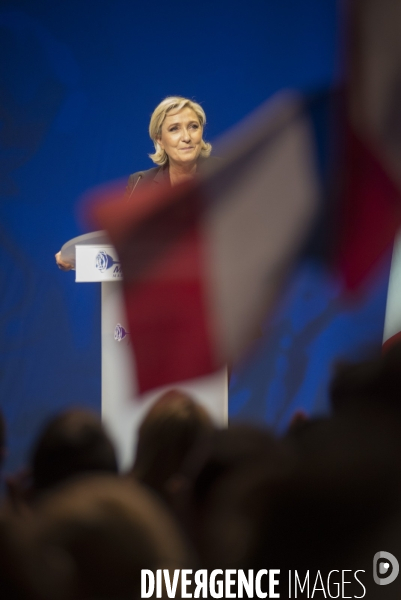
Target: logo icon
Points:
(385, 568)
(120, 333)
(104, 261)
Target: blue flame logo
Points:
(119, 333)
(104, 261)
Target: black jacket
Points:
(156, 176)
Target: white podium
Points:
(96, 260)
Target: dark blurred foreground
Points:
(325, 498)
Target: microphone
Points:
(136, 183)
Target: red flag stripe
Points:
(171, 306)
(369, 216)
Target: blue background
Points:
(78, 82)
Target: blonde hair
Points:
(157, 119)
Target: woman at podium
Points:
(176, 129)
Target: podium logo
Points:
(120, 333)
(104, 261)
(385, 568)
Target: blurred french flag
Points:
(312, 177)
(375, 110)
(202, 263)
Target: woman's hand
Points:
(64, 266)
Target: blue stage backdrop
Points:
(78, 82)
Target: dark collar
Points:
(162, 174)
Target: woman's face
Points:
(181, 136)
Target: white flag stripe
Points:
(392, 322)
(251, 238)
